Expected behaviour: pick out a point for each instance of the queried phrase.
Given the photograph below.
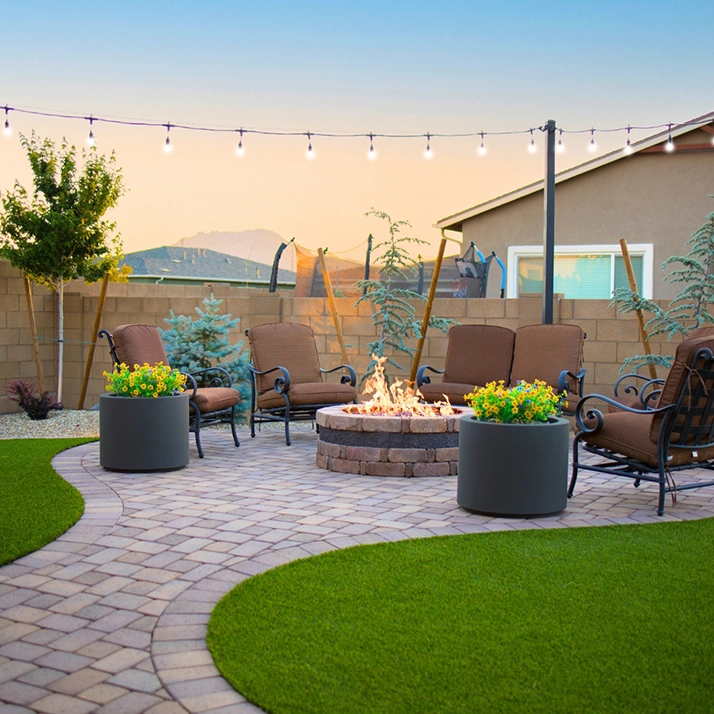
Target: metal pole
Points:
(276, 263)
(549, 223)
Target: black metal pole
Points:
(420, 279)
(549, 223)
(276, 262)
(366, 261)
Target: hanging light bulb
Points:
(592, 146)
(167, 145)
(560, 148)
(532, 148)
(371, 154)
(91, 141)
(427, 152)
(7, 131)
(309, 154)
(240, 151)
(628, 146)
(482, 150)
(669, 146)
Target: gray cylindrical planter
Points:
(143, 433)
(517, 470)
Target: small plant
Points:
(395, 315)
(690, 309)
(523, 404)
(36, 406)
(145, 381)
(198, 344)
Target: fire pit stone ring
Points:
(373, 445)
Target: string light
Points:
(592, 147)
(532, 148)
(560, 148)
(240, 151)
(167, 145)
(669, 146)
(427, 152)
(371, 154)
(482, 150)
(91, 141)
(628, 146)
(309, 154)
(7, 131)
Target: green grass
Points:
(36, 504)
(616, 619)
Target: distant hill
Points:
(258, 245)
(172, 261)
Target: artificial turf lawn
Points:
(610, 619)
(36, 504)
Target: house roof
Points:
(455, 221)
(174, 261)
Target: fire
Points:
(399, 399)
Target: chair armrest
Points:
(221, 380)
(582, 412)
(349, 378)
(641, 391)
(282, 384)
(190, 385)
(421, 379)
(563, 381)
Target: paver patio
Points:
(111, 617)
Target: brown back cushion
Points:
(679, 375)
(478, 354)
(706, 331)
(284, 344)
(544, 351)
(136, 344)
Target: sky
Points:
(336, 67)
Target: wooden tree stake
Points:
(33, 330)
(640, 316)
(92, 344)
(333, 304)
(427, 309)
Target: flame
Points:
(396, 400)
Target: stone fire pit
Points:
(388, 445)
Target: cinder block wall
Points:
(610, 339)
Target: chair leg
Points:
(233, 427)
(662, 492)
(574, 477)
(197, 432)
(252, 424)
(287, 427)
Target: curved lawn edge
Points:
(580, 619)
(36, 504)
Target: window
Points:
(580, 271)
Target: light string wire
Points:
(701, 121)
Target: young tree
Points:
(197, 344)
(58, 232)
(395, 316)
(690, 309)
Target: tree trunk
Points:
(33, 330)
(60, 343)
(92, 344)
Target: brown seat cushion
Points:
(136, 344)
(629, 434)
(214, 399)
(309, 394)
(478, 354)
(455, 392)
(544, 351)
(284, 344)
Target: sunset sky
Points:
(382, 67)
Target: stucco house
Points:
(653, 197)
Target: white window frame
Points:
(646, 250)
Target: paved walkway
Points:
(111, 617)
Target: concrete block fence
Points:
(610, 337)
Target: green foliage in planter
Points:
(395, 314)
(690, 309)
(193, 344)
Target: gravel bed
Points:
(68, 423)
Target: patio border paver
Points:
(111, 617)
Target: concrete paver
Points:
(111, 617)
